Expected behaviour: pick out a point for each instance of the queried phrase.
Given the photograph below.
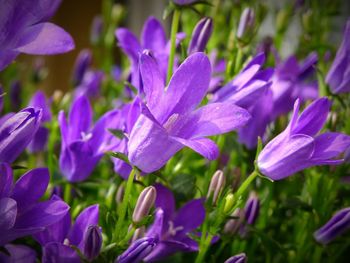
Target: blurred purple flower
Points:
(24, 29)
(292, 81)
(58, 238)
(153, 39)
(82, 145)
(18, 254)
(96, 29)
(218, 70)
(90, 85)
(299, 147)
(41, 136)
(138, 250)
(21, 213)
(82, 63)
(338, 77)
(17, 131)
(240, 258)
(172, 228)
(335, 227)
(170, 121)
(200, 35)
(15, 95)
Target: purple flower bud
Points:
(240, 258)
(120, 194)
(138, 250)
(185, 2)
(96, 29)
(232, 225)
(216, 186)
(252, 208)
(200, 35)
(336, 226)
(39, 70)
(92, 242)
(139, 233)
(144, 203)
(246, 23)
(15, 95)
(17, 132)
(81, 65)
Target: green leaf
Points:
(120, 156)
(118, 133)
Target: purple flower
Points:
(218, 70)
(246, 23)
(57, 238)
(40, 138)
(170, 121)
(299, 147)
(24, 29)
(92, 242)
(15, 95)
(82, 145)
(138, 250)
(16, 132)
(18, 254)
(338, 77)
(81, 65)
(200, 35)
(292, 81)
(240, 258)
(172, 228)
(90, 84)
(252, 208)
(153, 39)
(250, 89)
(21, 213)
(335, 227)
(96, 29)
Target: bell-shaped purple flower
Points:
(172, 228)
(335, 227)
(24, 29)
(82, 145)
(240, 258)
(82, 63)
(40, 138)
(17, 131)
(300, 146)
(170, 120)
(18, 254)
(138, 250)
(338, 77)
(21, 212)
(200, 35)
(57, 239)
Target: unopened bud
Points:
(96, 30)
(92, 242)
(120, 194)
(201, 35)
(144, 203)
(232, 225)
(138, 250)
(240, 258)
(229, 202)
(81, 65)
(217, 184)
(139, 233)
(252, 208)
(246, 23)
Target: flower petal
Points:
(189, 217)
(129, 43)
(21, 254)
(80, 118)
(329, 145)
(153, 35)
(165, 200)
(8, 213)
(6, 180)
(205, 147)
(56, 252)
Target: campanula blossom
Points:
(83, 145)
(24, 29)
(153, 39)
(293, 80)
(170, 121)
(300, 146)
(18, 254)
(21, 212)
(41, 136)
(336, 226)
(240, 258)
(57, 238)
(200, 35)
(338, 77)
(17, 131)
(138, 250)
(172, 228)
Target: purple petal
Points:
(330, 145)
(59, 253)
(129, 43)
(153, 35)
(6, 57)
(190, 216)
(205, 147)
(156, 229)
(8, 213)
(88, 217)
(6, 180)
(45, 39)
(30, 187)
(20, 254)
(165, 200)
(80, 117)
(38, 100)
(166, 248)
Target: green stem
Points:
(174, 28)
(246, 183)
(238, 61)
(203, 250)
(124, 204)
(67, 192)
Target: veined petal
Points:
(56, 252)
(205, 147)
(80, 118)
(6, 180)
(129, 43)
(329, 145)
(8, 213)
(153, 35)
(44, 39)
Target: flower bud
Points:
(15, 95)
(81, 65)
(139, 233)
(240, 258)
(17, 132)
(229, 202)
(200, 35)
(336, 226)
(252, 208)
(232, 225)
(144, 203)
(138, 250)
(246, 23)
(217, 184)
(120, 194)
(39, 70)
(92, 242)
(96, 30)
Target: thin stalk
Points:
(174, 29)
(246, 183)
